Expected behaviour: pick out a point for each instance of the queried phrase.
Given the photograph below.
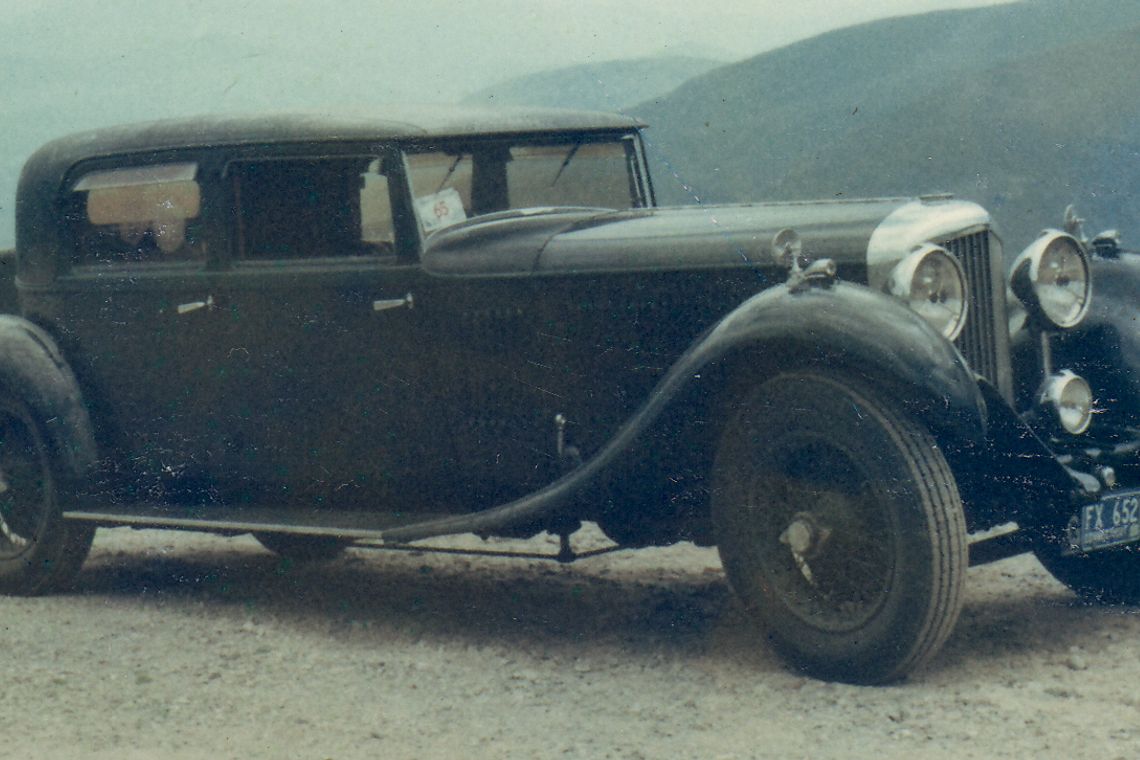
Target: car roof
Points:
(397, 122)
(47, 167)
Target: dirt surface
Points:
(189, 646)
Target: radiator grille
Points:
(984, 340)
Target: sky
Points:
(70, 65)
(432, 50)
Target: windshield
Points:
(454, 183)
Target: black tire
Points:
(303, 548)
(840, 527)
(1111, 576)
(39, 550)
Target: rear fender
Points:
(33, 369)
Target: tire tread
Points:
(935, 494)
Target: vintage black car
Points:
(335, 331)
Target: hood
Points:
(579, 240)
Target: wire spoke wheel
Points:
(827, 563)
(39, 551)
(840, 528)
(25, 486)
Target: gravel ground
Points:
(190, 646)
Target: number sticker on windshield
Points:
(440, 209)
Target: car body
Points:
(326, 330)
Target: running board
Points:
(360, 525)
(999, 546)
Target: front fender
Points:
(857, 330)
(842, 326)
(1105, 349)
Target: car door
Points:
(126, 306)
(331, 382)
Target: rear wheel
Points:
(840, 527)
(39, 551)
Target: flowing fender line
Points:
(551, 497)
(737, 329)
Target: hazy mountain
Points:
(1031, 146)
(608, 86)
(1023, 107)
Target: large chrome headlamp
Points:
(1051, 277)
(930, 281)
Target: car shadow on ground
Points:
(474, 600)
(619, 604)
(1013, 617)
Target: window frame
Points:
(390, 160)
(74, 212)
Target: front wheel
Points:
(840, 527)
(1111, 576)
(39, 550)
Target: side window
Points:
(581, 174)
(452, 185)
(144, 214)
(312, 208)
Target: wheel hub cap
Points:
(805, 537)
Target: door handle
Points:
(394, 303)
(186, 308)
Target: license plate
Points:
(1112, 521)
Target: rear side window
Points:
(142, 214)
